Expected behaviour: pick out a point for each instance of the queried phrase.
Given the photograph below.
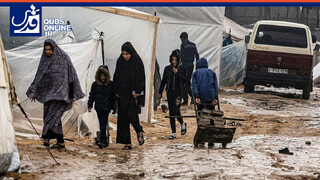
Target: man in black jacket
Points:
(189, 52)
(102, 94)
(173, 79)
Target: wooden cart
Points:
(211, 128)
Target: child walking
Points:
(102, 94)
(174, 76)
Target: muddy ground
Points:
(274, 119)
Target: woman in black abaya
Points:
(129, 81)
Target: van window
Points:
(281, 36)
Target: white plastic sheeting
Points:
(316, 75)
(232, 66)
(6, 127)
(204, 26)
(86, 56)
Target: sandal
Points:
(140, 138)
(59, 146)
(127, 147)
(46, 143)
(172, 137)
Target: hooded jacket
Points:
(102, 93)
(171, 81)
(204, 82)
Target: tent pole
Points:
(152, 71)
(102, 48)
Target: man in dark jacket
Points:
(173, 79)
(204, 85)
(102, 94)
(189, 52)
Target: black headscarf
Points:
(129, 76)
(128, 48)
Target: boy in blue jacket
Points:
(205, 85)
(205, 88)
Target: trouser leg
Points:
(178, 113)
(103, 121)
(171, 104)
(189, 70)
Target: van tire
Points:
(249, 87)
(306, 91)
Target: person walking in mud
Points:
(56, 85)
(103, 97)
(174, 76)
(189, 53)
(129, 81)
(205, 88)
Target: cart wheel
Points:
(195, 144)
(224, 145)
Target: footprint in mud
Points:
(121, 175)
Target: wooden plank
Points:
(152, 72)
(128, 13)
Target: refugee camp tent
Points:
(237, 32)
(204, 26)
(7, 99)
(119, 25)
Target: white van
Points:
(280, 54)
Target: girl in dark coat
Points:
(56, 85)
(174, 77)
(129, 81)
(102, 94)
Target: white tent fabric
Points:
(204, 26)
(7, 141)
(237, 32)
(86, 56)
(232, 66)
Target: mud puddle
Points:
(249, 157)
(275, 101)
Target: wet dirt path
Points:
(274, 120)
